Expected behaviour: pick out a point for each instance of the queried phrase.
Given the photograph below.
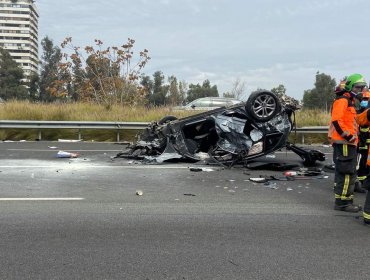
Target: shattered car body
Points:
(226, 135)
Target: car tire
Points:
(166, 119)
(263, 105)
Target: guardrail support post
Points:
(302, 138)
(39, 134)
(79, 134)
(118, 135)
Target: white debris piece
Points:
(63, 154)
(69, 140)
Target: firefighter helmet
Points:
(354, 80)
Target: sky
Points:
(262, 43)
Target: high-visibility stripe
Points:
(366, 215)
(364, 129)
(337, 196)
(367, 141)
(345, 150)
(345, 185)
(361, 178)
(363, 147)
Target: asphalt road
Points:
(81, 219)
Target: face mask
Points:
(364, 103)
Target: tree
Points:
(11, 75)
(322, 95)
(183, 88)
(159, 92)
(50, 59)
(280, 90)
(103, 75)
(175, 96)
(33, 89)
(197, 91)
(238, 88)
(147, 85)
(228, 95)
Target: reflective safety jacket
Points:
(343, 128)
(363, 119)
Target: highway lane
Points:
(81, 219)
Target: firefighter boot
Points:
(349, 207)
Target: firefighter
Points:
(342, 134)
(340, 88)
(363, 119)
(363, 145)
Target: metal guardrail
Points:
(79, 125)
(118, 126)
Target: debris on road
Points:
(139, 192)
(63, 154)
(273, 166)
(199, 169)
(292, 175)
(70, 140)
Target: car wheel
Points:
(166, 119)
(263, 105)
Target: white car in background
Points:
(208, 103)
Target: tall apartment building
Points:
(19, 32)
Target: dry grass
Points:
(312, 118)
(82, 112)
(16, 110)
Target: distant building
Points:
(19, 32)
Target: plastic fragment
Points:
(63, 154)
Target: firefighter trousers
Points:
(363, 168)
(366, 212)
(345, 159)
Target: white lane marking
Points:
(53, 150)
(41, 198)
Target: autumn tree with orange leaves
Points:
(105, 76)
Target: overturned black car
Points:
(227, 135)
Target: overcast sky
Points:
(261, 42)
